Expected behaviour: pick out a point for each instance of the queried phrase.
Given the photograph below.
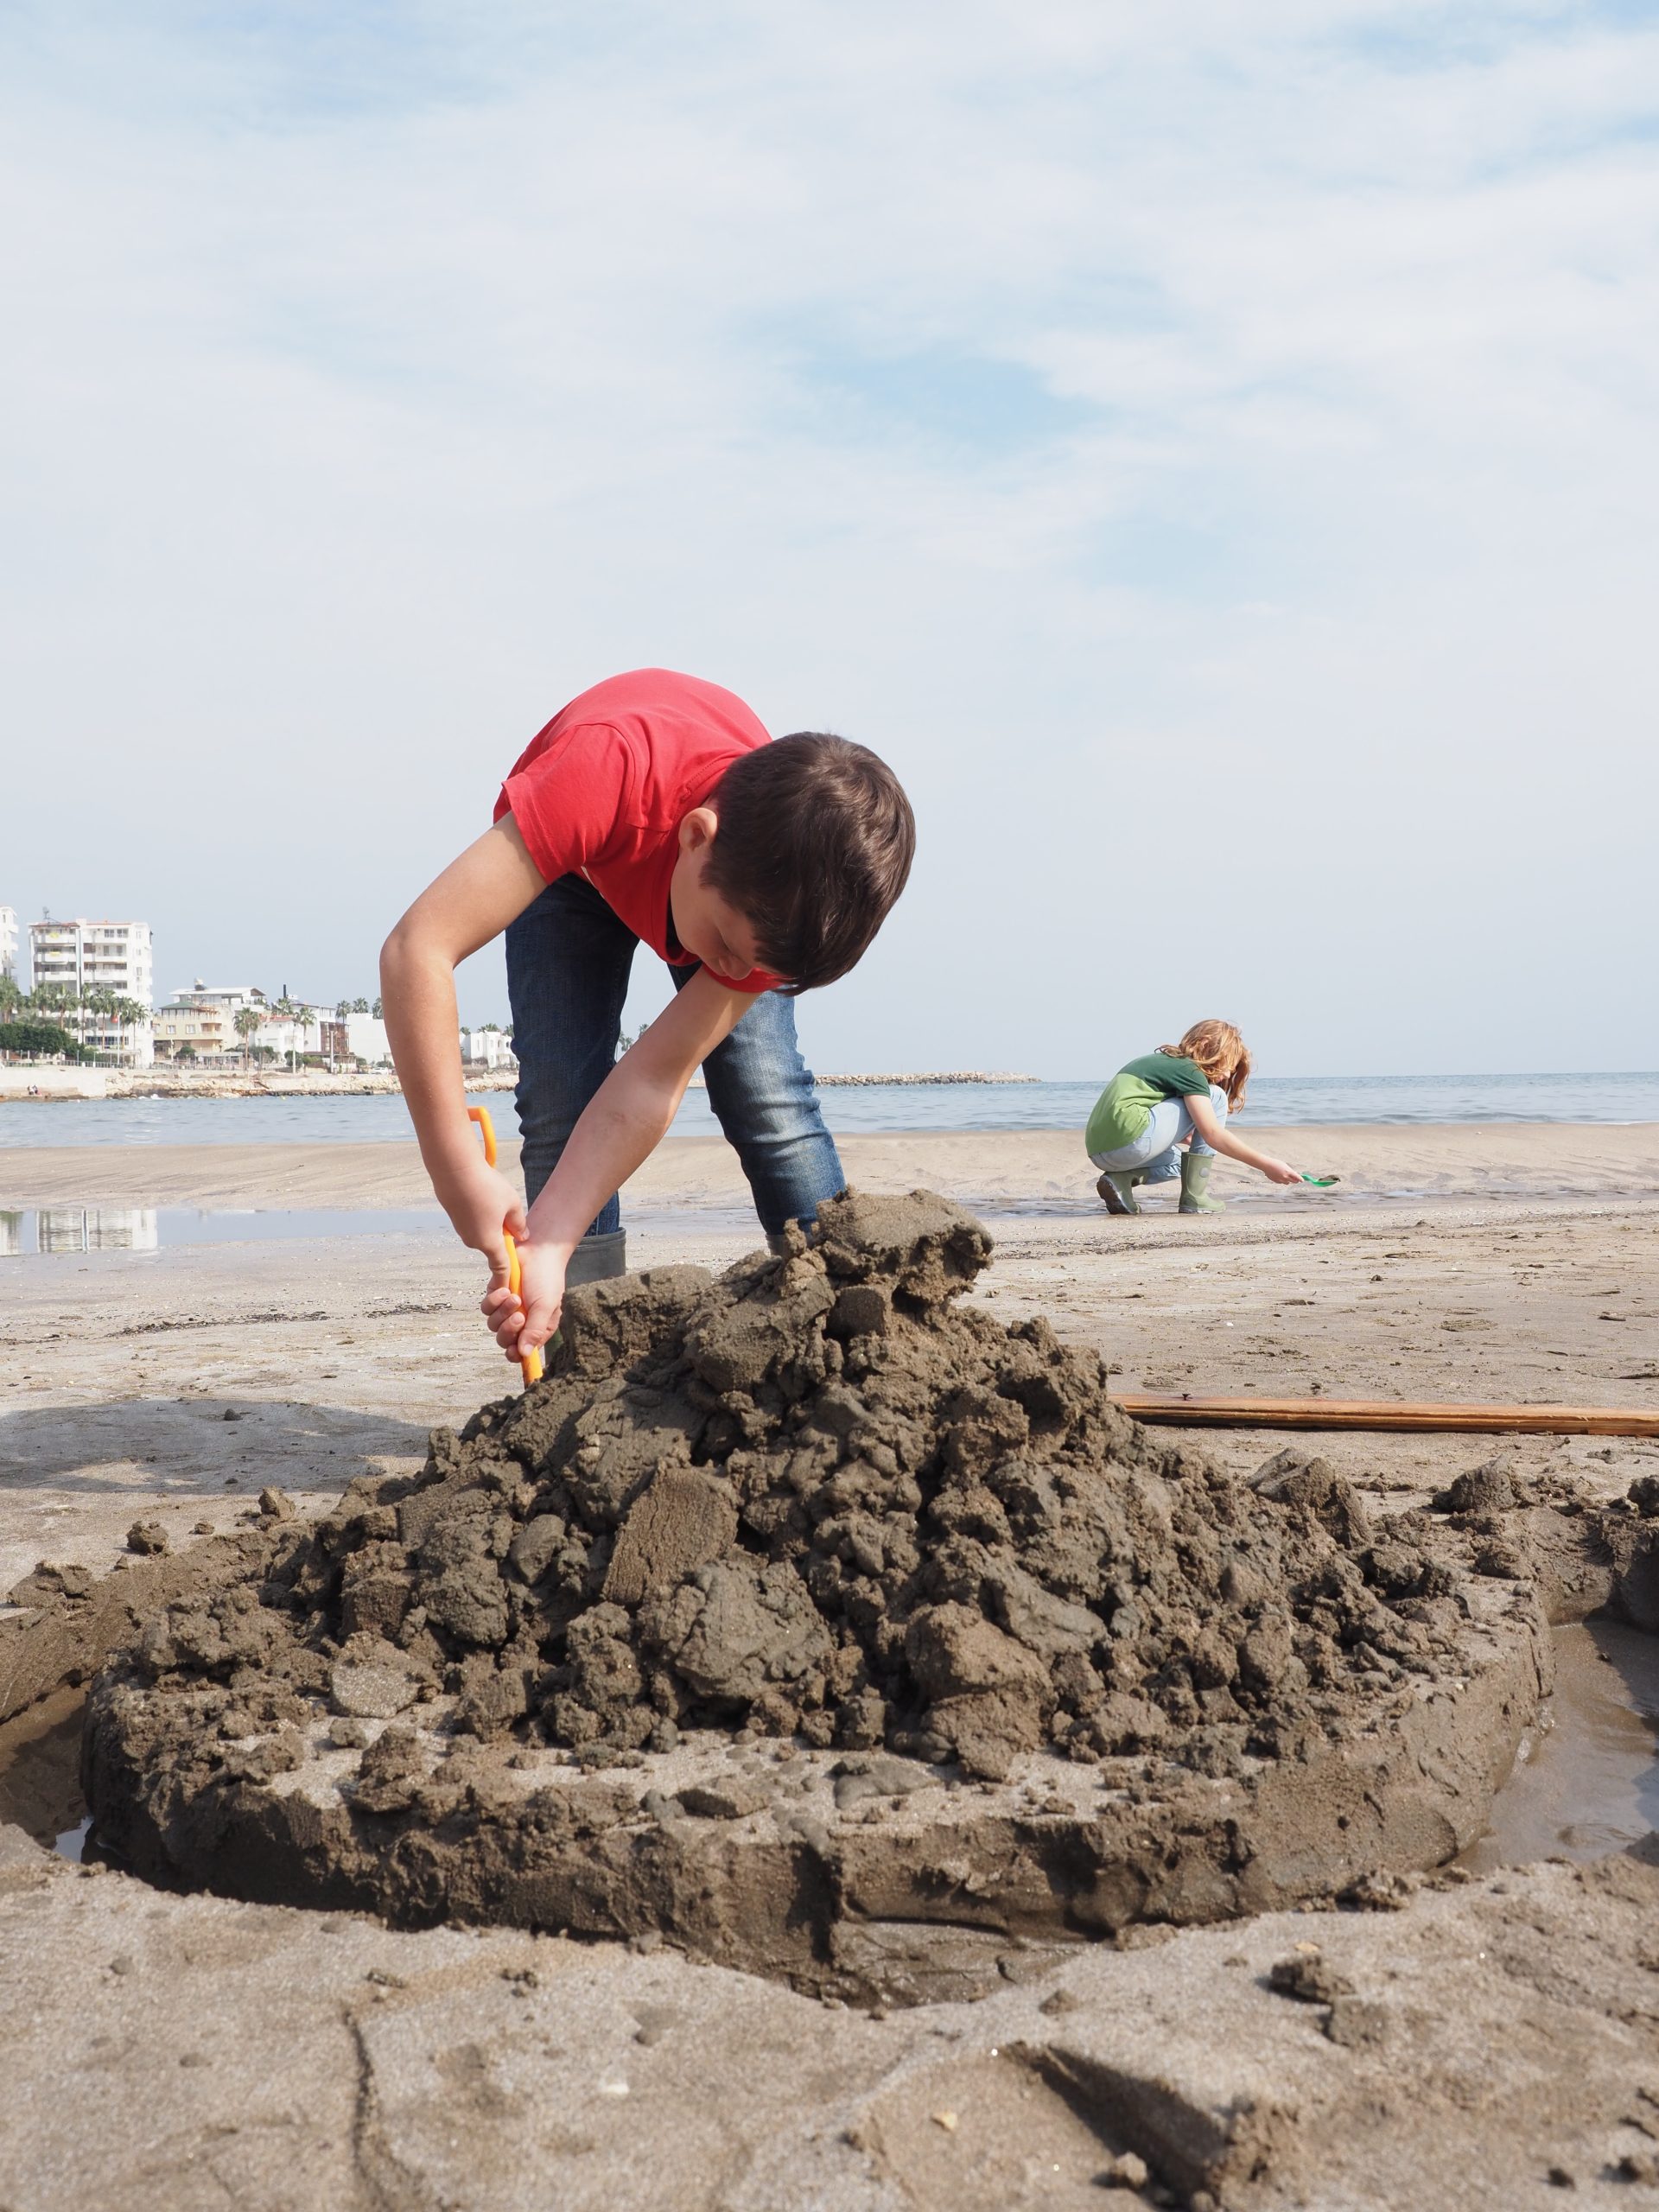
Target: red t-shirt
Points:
(601, 791)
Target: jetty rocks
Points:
(814, 1618)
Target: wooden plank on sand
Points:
(1165, 1406)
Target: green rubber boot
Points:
(1195, 1185)
(1118, 1192)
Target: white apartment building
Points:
(91, 956)
(9, 943)
(297, 1035)
(315, 1031)
(365, 1039)
(486, 1048)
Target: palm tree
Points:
(248, 1023)
(58, 1003)
(11, 998)
(286, 1010)
(53, 998)
(361, 1006)
(130, 1014)
(98, 1005)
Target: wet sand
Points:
(336, 1354)
(1037, 1171)
(171, 1385)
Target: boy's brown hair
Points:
(815, 843)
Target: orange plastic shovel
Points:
(530, 1364)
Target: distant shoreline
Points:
(41, 1085)
(905, 1082)
(52, 1084)
(914, 1082)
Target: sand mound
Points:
(817, 1500)
(818, 1496)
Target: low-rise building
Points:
(9, 943)
(208, 1029)
(232, 996)
(293, 1036)
(297, 1031)
(204, 1017)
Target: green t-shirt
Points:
(1124, 1108)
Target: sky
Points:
(1209, 451)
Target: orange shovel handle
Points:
(530, 1365)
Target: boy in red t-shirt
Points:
(652, 808)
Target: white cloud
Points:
(385, 377)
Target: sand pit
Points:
(822, 1622)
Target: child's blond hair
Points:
(1218, 1048)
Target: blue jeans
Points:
(568, 956)
(1153, 1151)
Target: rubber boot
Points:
(1195, 1185)
(1118, 1191)
(596, 1259)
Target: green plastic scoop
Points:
(1322, 1182)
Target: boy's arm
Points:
(621, 1125)
(474, 899)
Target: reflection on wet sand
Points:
(53, 1230)
(1587, 1783)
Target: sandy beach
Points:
(1040, 1173)
(1509, 1262)
(1544, 1286)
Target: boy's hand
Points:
(1280, 1171)
(481, 1204)
(524, 1322)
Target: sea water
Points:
(875, 1109)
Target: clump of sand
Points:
(823, 1496)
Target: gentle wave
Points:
(1274, 1101)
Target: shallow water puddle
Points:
(47, 1232)
(40, 1772)
(50, 1232)
(1587, 1783)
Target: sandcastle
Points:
(813, 1618)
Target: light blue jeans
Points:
(1154, 1152)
